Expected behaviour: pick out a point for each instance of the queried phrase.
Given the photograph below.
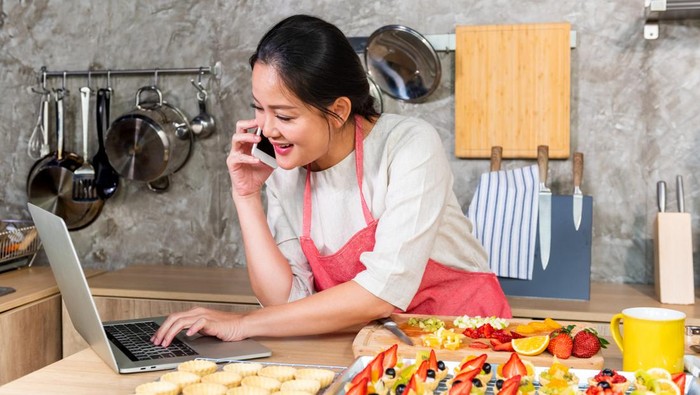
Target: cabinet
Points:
(140, 291)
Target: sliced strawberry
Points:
(411, 385)
(365, 374)
(477, 362)
(372, 372)
(679, 379)
(514, 367)
(390, 356)
(510, 386)
(504, 347)
(516, 335)
(471, 332)
(467, 375)
(422, 371)
(432, 361)
(478, 345)
(485, 331)
(495, 342)
(461, 388)
(359, 388)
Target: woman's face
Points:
(299, 133)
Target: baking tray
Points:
(692, 387)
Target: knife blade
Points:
(545, 206)
(578, 195)
(389, 324)
(679, 194)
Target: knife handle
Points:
(578, 169)
(661, 195)
(543, 162)
(496, 155)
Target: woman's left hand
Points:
(223, 325)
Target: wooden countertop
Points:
(30, 284)
(200, 284)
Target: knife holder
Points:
(673, 259)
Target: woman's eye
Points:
(283, 118)
(256, 107)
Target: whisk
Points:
(38, 146)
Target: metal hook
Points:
(109, 80)
(63, 83)
(42, 84)
(89, 76)
(155, 77)
(201, 91)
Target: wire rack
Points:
(19, 243)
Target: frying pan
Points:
(403, 63)
(50, 182)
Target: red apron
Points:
(443, 290)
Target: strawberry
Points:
(679, 379)
(460, 388)
(561, 343)
(510, 386)
(359, 388)
(390, 357)
(587, 343)
(467, 375)
(513, 367)
(477, 362)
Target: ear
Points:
(342, 107)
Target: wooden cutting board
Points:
(512, 89)
(373, 338)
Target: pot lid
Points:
(403, 63)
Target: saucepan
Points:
(402, 63)
(151, 142)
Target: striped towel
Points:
(504, 213)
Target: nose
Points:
(268, 126)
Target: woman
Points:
(361, 219)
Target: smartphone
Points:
(264, 150)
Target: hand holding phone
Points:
(264, 150)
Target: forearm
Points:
(334, 309)
(269, 271)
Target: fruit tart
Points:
(471, 362)
(603, 388)
(515, 385)
(618, 383)
(466, 382)
(558, 376)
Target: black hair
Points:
(316, 63)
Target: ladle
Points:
(203, 125)
(106, 178)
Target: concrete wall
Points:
(633, 114)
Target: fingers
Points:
(174, 324)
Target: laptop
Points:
(124, 345)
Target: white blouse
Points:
(407, 186)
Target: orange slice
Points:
(534, 345)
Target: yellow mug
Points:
(651, 337)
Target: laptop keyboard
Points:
(133, 339)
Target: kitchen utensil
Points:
(680, 194)
(204, 124)
(50, 180)
(106, 178)
(652, 337)
(496, 156)
(403, 63)
(84, 176)
(545, 206)
(389, 324)
(38, 145)
(578, 195)
(661, 196)
(510, 72)
(376, 93)
(151, 141)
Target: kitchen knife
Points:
(679, 194)
(389, 324)
(661, 196)
(545, 206)
(496, 155)
(578, 196)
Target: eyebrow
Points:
(276, 107)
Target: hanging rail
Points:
(214, 70)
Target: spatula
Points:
(84, 176)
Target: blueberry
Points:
(499, 383)
(400, 389)
(608, 372)
(456, 382)
(391, 372)
(477, 383)
(486, 368)
(604, 385)
(430, 374)
(441, 365)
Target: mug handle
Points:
(615, 330)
